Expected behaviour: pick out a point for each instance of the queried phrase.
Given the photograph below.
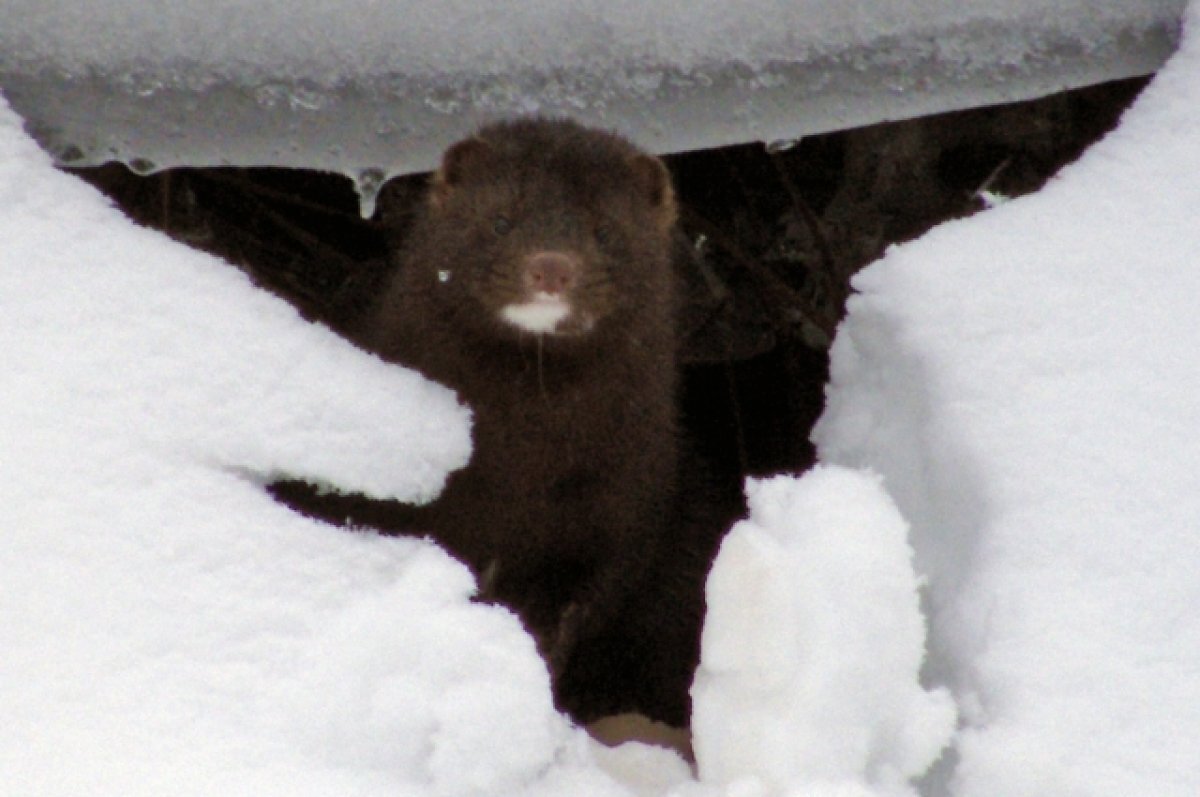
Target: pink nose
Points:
(551, 272)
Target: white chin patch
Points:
(541, 314)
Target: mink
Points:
(537, 281)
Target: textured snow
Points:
(813, 645)
(1027, 384)
(1022, 384)
(166, 627)
(373, 88)
(329, 44)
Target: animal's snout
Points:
(553, 273)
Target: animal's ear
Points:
(457, 162)
(654, 180)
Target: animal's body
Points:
(537, 282)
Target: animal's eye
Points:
(502, 225)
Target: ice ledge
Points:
(160, 115)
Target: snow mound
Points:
(1026, 382)
(168, 628)
(813, 645)
(402, 696)
(178, 354)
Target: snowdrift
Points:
(1021, 384)
(1026, 382)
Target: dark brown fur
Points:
(574, 435)
(566, 509)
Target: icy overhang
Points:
(374, 88)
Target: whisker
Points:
(541, 374)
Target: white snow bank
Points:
(164, 626)
(1027, 383)
(174, 352)
(1024, 382)
(814, 639)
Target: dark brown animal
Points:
(537, 282)
(538, 285)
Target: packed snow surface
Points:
(330, 44)
(1012, 422)
(373, 88)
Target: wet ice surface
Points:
(1023, 384)
(372, 89)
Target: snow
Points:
(167, 627)
(813, 644)
(330, 45)
(1009, 453)
(1026, 384)
(374, 88)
